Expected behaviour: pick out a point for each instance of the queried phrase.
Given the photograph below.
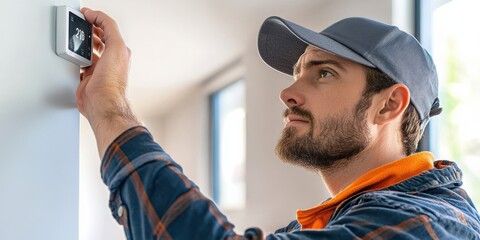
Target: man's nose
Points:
(292, 96)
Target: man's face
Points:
(325, 119)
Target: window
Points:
(451, 33)
(228, 131)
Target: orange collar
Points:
(378, 178)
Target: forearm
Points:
(109, 123)
(101, 94)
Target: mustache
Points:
(298, 111)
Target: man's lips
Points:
(294, 119)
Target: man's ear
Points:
(392, 103)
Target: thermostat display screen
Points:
(80, 38)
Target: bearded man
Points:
(362, 94)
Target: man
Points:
(362, 94)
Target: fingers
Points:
(82, 71)
(99, 32)
(98, 45)
(105, 23)
(86, 72)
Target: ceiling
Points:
(176, 44)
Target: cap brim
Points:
(281, 43)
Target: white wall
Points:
(39, 126)
(95, 219)
(274, 190)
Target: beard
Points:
(341, 137)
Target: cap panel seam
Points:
(368, 54)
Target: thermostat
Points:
(74, 37)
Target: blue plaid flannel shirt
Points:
(153, 199)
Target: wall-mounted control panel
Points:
(74, 37)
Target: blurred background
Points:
(197, 82)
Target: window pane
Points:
(456, 51)
(229, 130)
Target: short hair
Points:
(378, 81)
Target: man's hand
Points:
(101, 94)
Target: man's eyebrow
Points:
(297, 70)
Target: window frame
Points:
(214, 106)
(422, 32)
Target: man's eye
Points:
(324, 74)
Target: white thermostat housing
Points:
(74, 37)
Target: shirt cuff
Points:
(133, 148)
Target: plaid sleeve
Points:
(152, 198)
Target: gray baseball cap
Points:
(365, 41)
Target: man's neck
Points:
(339, 178)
